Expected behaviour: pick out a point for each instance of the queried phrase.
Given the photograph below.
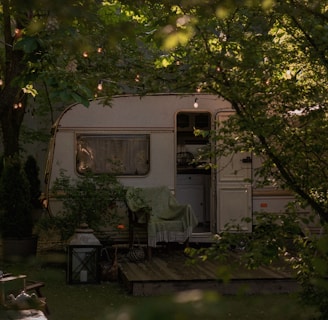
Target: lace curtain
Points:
(121, 154)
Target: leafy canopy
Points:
(269, 59)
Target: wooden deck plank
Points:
(170, 272)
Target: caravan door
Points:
(234, 192)
(193, 181)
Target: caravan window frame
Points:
(127, 154)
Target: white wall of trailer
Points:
(217, 196)
(155, 115)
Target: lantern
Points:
(83, 257)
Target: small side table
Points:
(4, 280)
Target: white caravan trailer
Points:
(152, 139)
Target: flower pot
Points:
(17, 249)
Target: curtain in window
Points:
(121, 154)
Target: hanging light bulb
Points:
(100, 86)
(196, 104)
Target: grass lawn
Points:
(110, 301)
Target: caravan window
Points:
(123, 154)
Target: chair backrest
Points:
(160, 200)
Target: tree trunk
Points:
(11, 121)
(12, 110)
(12, 100)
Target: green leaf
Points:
(27, 44)
(320, 266)
(80, 99)
(322, 244)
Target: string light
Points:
(18, 33)
(17, 105)
(196, 103)
(1, 82)
(101, 82)
(100, 85)
(85, 54)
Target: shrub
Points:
(91, 199)
(277, 238)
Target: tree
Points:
(269, 59)
(58, 52)
(22, 51)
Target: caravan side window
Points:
(122, 154)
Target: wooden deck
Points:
(170, 272)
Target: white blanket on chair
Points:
(169, 221)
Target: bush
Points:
(91, 199)
(310, 262)
(279, 238)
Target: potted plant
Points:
(93, 199)
(16, 220)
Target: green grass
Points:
(109, 301)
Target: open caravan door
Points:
(234, 192)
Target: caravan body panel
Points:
(153, 115)
(163, 127)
